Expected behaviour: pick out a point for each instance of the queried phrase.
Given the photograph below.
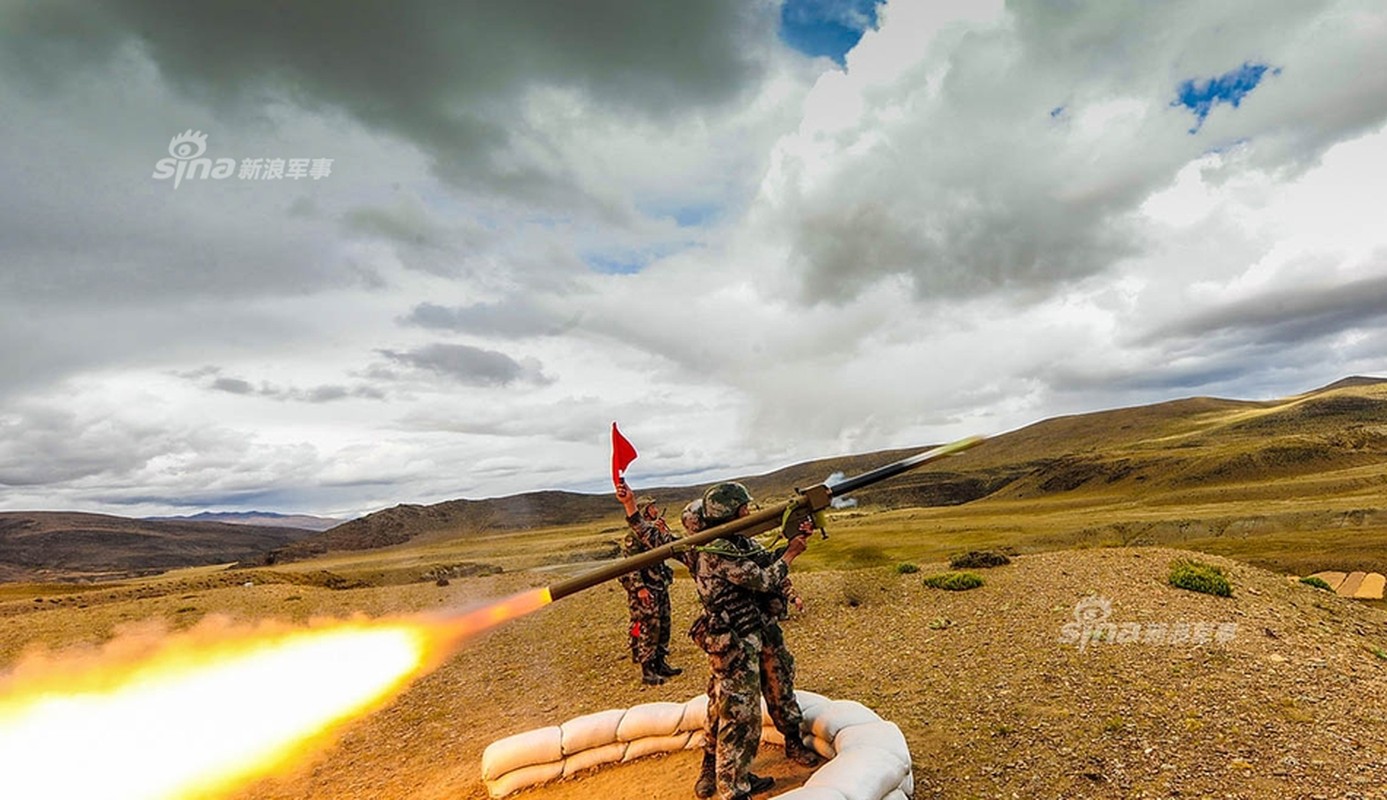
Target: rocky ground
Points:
(1285, 697)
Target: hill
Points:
(268, 519)
(54, 545)
(1221, 457)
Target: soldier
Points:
(777, 670)
(647, 590)
(733, 584)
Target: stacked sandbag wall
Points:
(867, 757)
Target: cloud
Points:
(325, 393)
(444, 76)
(1301, 314)
(937, 156)
(512, 318)
(472, 366)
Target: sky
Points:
(327, 257)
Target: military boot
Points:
(663, 667)
(707, 784)
(650, 674)
(798, 752)
(760, 784)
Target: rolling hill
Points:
(53, 545)
(1247, 479)
(1325, 448)
(268, 519)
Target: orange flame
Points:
(207, 711)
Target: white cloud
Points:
(994, 215)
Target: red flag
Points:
(622, 455)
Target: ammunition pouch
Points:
(741, 617)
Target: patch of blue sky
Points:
(695, 215)
(1200, 96)
(619, 261)
(827, 27)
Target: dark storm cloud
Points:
(472, 366)
(447, 76)
(1286, 315)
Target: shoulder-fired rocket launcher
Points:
(787, 514)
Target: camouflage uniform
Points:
(732, 586)
(776, 663)
(650, 622)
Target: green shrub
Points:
(978, 559)
(905, 568)
(954, 581)
(1196, 576)
(1318, 583)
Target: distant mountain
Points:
(55, 545)
(268, 519)
(1143, 451)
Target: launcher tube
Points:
(815, 498)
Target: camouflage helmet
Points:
(692, 515)
(721, 502)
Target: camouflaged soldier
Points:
(647, 590)
(777, 666)
(732, 586)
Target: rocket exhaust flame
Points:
(208, 710)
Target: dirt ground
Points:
(993, 699)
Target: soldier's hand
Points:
(624, 494)
(797, 545)
(643, 595)
(806, 527)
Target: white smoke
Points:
(840, 502)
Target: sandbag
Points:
(866, 774)
(811, 793)
(695, 740)
(650, 719)
(896, 794)
(590, 730)
(810, 703)
(823, 748)
(524, 777)
(654, 745)
(539, 746)
(695, 714)
(881, 734)
(594, 757)
(840, 714)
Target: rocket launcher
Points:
(785, 516)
